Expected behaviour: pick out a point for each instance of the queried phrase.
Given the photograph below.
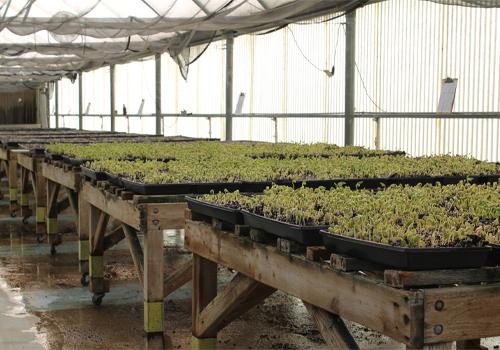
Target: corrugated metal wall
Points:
(404, 48)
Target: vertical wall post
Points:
(112, 95)
(47, 99)
(229, 87)
(158, 93)
(350, 72)
(56, 102)
(80, 102)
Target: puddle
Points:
(18, 328)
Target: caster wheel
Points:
(97, 298)
(53, 250)
(40, 239)
(13, 214)
(85, 279)
(25, 220)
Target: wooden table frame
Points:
(147, 215)
(8, 164)
(415, 316)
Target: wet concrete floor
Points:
(43, 305)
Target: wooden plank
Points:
(204, 291)
(4, 154)
(178, 278)
(153, 283)
(440, 346)
(40, 188)
(97, 239)
(289, 247)
(350, 296)
(70, 179)
(332, 328)
(119, 209)
(73, 200)
(349, 264)
(26, 161)
(409, 279)
(317, 253)
(113, 238)
(97, 219)
(135, 248)
(167, 215)
(237, 297)
(461, 313)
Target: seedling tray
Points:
(494, 257)
(74, 161)
(406, 258)
(94, 175)
(53, 156)
(306, 235)
(230, 215)
(157, 189)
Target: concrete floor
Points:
(43, 305)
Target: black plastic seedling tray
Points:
(306, 235)
(156, 189)
(230, 215)
(53, 156)
(37, 152)
(178, 188)
(94, 175)
(407, 258)
(494, 257)
(114, 180)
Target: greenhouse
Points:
(250, 174)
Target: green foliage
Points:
(244, 161)
(462, 215)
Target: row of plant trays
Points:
(256, 187)
(260, 186)
(377, 253)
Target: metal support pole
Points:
(56, 102)
(80, 102)
(158, 93)
(350, 71)
(112, 95)
(229, 87)
(47, 102)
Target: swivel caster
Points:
(84, 281)
(97, 298)
(13, 214)
(53, 250)
(40, 238)
(25, 220)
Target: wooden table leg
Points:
(153, 287)
(12, 179)
(83, 240)
(98, 221)
(40, 190)
(204, 291)
(52, 212)
(24, 199)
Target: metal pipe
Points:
(459, 115)
(350, 70)
(158, 93)
(80, 102)
(229, 87)
(56, 102)
(112, 95)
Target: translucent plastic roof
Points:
(41, 40)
